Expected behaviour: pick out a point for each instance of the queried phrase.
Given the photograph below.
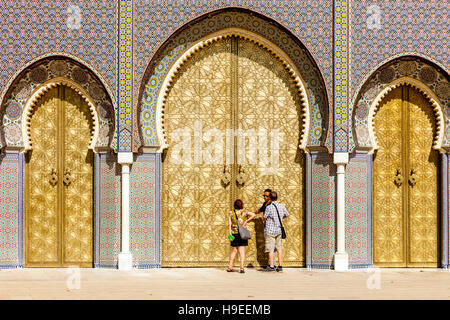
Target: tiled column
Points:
(125, 122)
(341, 126)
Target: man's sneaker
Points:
(280, 269)
(269, 269)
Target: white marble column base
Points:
(125, 261)
(341, 261)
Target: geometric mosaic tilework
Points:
(155, 22)
(144, 212)
(125, 74)
(358, 217)
(309, 20)
(321, 180)
(11, 211)
(168, 54)
(341, 41)
(107, 228)
(383, 29)
(321, 183)
(84, 29)
(413, 67)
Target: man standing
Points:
(272, 231)
(260, 238)
(266, 201)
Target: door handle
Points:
(398, 180)
(53, 177)
(67, 178)
(412, 178)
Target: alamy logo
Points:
(73, 17)
(374, 280)
(73, 281)
(374, 17)
(214, 146)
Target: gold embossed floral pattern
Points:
(405, 211)
(423, 222)
(194, 202)
(231, 83)
(77, 210)
(268, 99)
(42, 215)
(59, 215)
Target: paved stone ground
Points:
(217, 284)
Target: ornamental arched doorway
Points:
(59, 182)
(406, 182)
(228, 84)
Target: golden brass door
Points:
(230, 84)
(268, 100)
(59, 186)
(406, 185)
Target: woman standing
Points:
(238, 216)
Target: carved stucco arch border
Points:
(39, 92)
(244, 34)
(54, 55)
(426, 91)
(393, 59)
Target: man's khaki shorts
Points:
(273, 242)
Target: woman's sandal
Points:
(242, 271)
(229, 270)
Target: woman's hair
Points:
(238, 204)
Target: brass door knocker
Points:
(240, 178)
(226, 176)
(398, 180)
(53, 177)
(67, 178)
(412, 178)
